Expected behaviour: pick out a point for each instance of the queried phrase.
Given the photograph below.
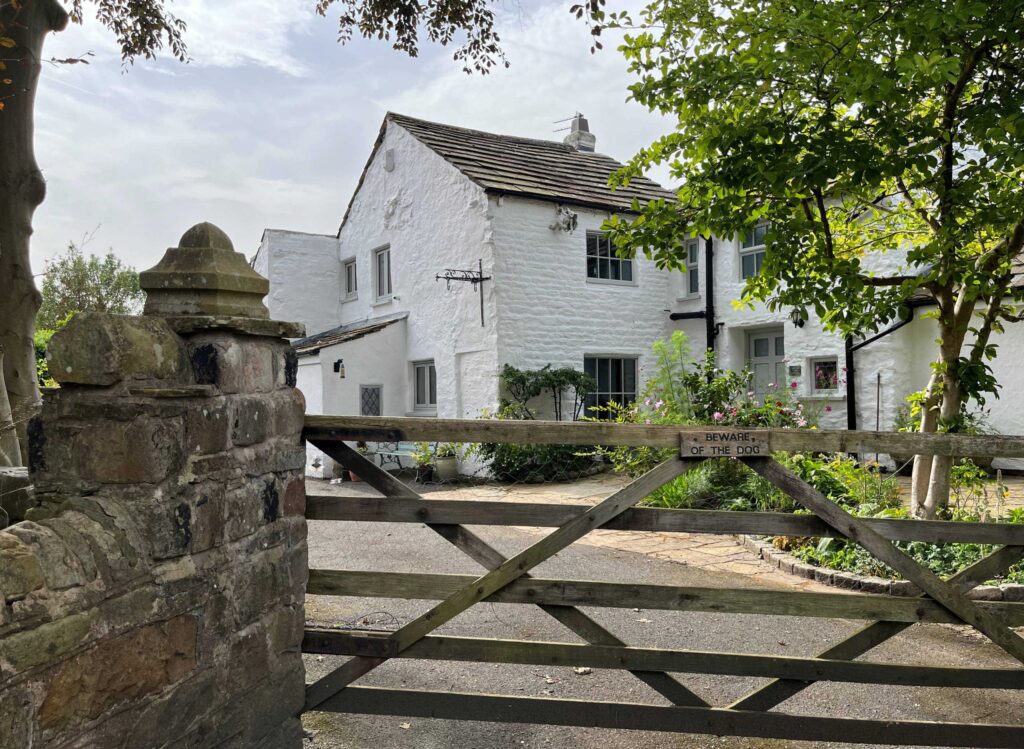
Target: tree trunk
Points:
(943, 398)
(22, 189)
(921, 476)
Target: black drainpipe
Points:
(851, 347)
(708, 313)
(711, 331)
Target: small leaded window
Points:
(370, 398)
(603, 263)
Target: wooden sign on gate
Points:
(724, 443)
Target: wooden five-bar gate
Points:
(507, 580)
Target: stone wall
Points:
(154, 595)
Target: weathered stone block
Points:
(120, 670)
(15, 718)
(61, 568)
(903, 588)
(46, 643)
(20, 571)
(295, 498)
(289, 413)
(144, 452)
(233, 363)
(101, 349)
(871, 584)
(16, 496)
(207, 428)
(1013, 592)
(986, 593)
(250, 421)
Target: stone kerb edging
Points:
(786, 562)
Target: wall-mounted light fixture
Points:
(339, 368)
(797, 316)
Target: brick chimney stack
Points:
(579, 136)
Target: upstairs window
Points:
(382, 270)
(351, 281)
(425, 376)
(616, 381)
(602, 262)
(752, 251)
(691, 274)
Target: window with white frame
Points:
(425, 390)
(691, 273)
(616, 381)
(371, 398)
(602, 262)
(824, 375)
(752, 251)
(351, 280)
(382, 272)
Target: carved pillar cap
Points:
(204, 276)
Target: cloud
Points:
(272, 123)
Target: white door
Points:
(766, 357)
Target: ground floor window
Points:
(825, 373)
(426, 386)
(616, 381)
(370, 399)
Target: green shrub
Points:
(536, 463)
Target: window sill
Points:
(350, 298)
(380, 301)
(832, 396)
(432, 414)
(691, 298)
(610, 282)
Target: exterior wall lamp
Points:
(339, 368)
(797, 316)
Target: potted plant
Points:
(446, 461)
(423, 456)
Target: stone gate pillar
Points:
(153, 597)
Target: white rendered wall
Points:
(309, 380)
(549, 312)
(433, 218)
(304, 274)
(374, 359)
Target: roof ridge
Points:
(565, 146)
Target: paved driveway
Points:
(413, 548)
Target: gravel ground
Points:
(409, 548)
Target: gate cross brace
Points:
(950, 594)
(502, 572)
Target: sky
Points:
(271, 121)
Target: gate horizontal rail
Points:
(422, 429)
(428, 586)
(470, 512)
(508, 581)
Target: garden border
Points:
(785, 562)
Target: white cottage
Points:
(462, 251)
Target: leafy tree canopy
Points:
(76, 282)
(850, 127)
